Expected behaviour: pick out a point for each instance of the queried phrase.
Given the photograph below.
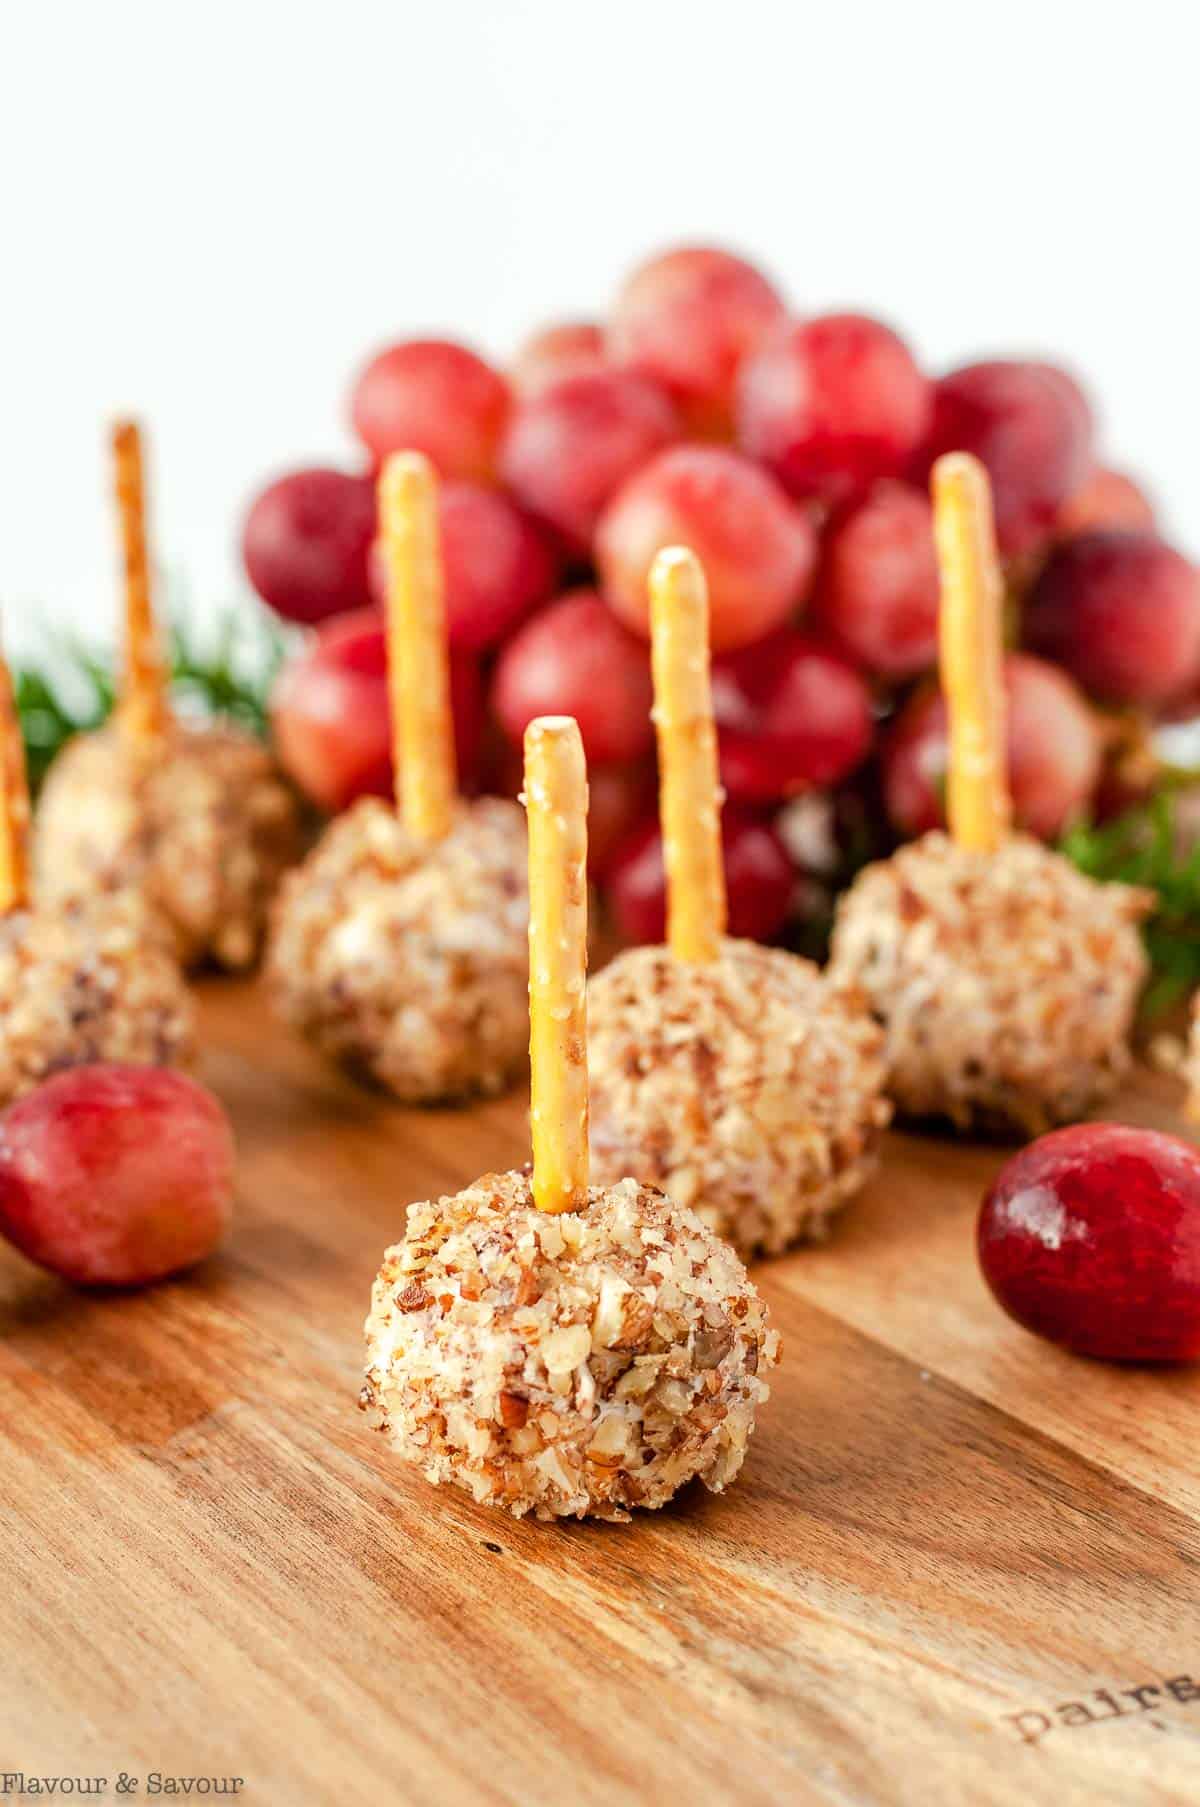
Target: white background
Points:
(212, 214)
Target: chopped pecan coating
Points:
(1007, 982)
(202, 827)
(409, 962)
(746, 1087)
(88, 981)
(622, 1380)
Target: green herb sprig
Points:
(232, 673)
(225, 670)
(70, 695)
(1145, 847)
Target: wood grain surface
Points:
(952, 1554)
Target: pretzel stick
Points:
(418, 666)
(556, 802)
(690, 795)
(971, 635)
(143, 711)
(14, 802)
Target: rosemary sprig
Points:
(72, 697)
(231, 676)
(226, 670)
(1145, 846)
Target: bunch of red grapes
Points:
(792, 455)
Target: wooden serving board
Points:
(959, 1566)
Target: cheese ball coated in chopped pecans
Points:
(408, 962)
(1007, 982)
(89, 981)
(201, 824)
(570, 1366)
(746, 1087)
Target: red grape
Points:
(619, 796)
(1070, 389)
(759, 880)
(878, 588)
(571, 447)
(432, 396)
(1122, 612)
(574, 348)
(688, 318)
(575, 658)
(1054, 753)
(116, 1175)
(330, 717)
(502, 765)
(306, 540)
(791, 716)
(1107, 499)
(496, 565)
(1030, 425)
(1091, 1237)
(757, 549)
(832, 404)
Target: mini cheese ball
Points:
(85, 982)
(200, 824)
(407, 961)
(547, 1345)
(571, 1365)
(399, 946)
(198, 820)
(1006, 980)
(747, 1087)
(731, 1074)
